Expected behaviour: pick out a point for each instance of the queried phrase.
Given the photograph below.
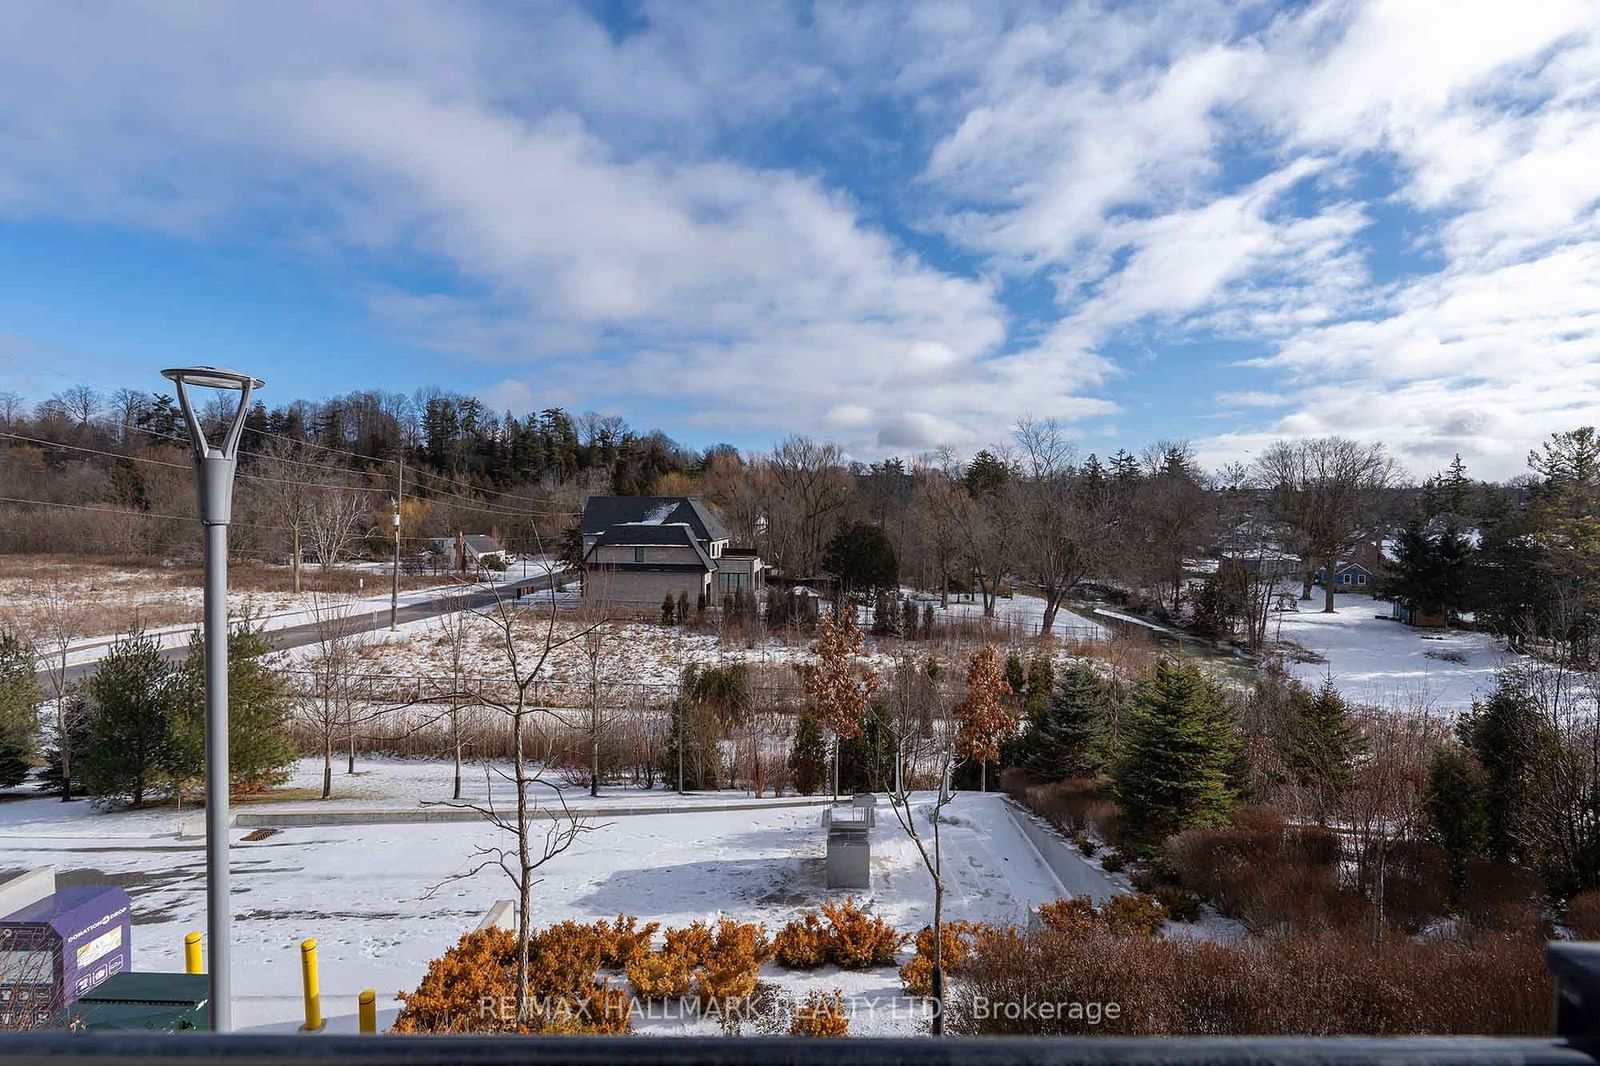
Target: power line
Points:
(470, 504)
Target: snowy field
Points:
(381, 901)
(1376, 660)
(152, 595)
(1023, 611)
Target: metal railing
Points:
(149, 1050)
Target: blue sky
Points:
(895, 226)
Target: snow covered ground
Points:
(271, 610)
(381, 902)
(1022, 610)
(1375, 660)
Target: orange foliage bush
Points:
(954, 945)
(624, 940)
(802, 944)
(857, 942)
(1074, 915)
(1139, 915)
(563, 958)
(692, 942)
(822, 1014)
(482, 965)
(482, 968)
(659, 976)
(730, 968)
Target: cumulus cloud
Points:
(900, 224)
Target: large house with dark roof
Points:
(641, 549)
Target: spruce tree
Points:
(1322, 741)
(128, 735)
(19, 709)
(1180, 755)
(1455, 809)
(1503, 733)
(1064, 737)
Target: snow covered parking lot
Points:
(381, 904)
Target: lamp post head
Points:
(214, 463)
(211, 377)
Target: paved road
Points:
(378, 618)
(1077, 875)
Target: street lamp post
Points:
(214, 467)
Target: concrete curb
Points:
(298, 818)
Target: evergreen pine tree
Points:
(1041, 679)
(1503, 733)
(1064, 737)
(77, 719)
(1180, 756)
(129, 734)
(1455, 809)
(808, 757)
(259, 706)
(1322, 741)
(19, 709)
(669, 609)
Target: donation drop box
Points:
(61, 946)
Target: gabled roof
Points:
(602, 512)
(655, 534)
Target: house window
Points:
(730, 583)
(638, 555)
(1361, 579)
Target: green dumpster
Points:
(150, 1002)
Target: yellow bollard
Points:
(308, 978)
(191, 954)
(367, 1008)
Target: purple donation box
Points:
(57, 948)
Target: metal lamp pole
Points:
(214, 467)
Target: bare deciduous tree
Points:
(331, 701)
(1326, 489)
(527, 637)
(333, 522)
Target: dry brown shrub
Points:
(857, 942)
(822, 1014)
(1583, 915)
(1273, 878)
(802, 944)
(1504, 899)
(1068, 915)
(1296, 984)
(1416, 884)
